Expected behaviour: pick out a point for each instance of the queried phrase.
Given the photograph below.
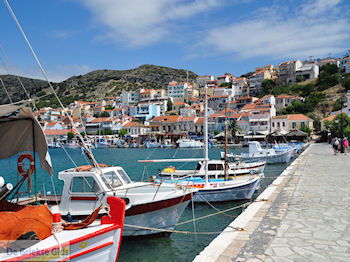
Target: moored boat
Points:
(29, 230)
(270, 155)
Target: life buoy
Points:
(20, 169)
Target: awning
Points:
(20, 131)
(297, 133)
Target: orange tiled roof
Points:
(56, 132)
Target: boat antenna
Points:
(83, 144)
(206, 158)
(225, 158)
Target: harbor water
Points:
(177, 247)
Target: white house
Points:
(283, 101)
(307, 72)
(135, 129)
(347, 67)
(203, 80)
(287, 71)
(285, 123)
(177, 90)
(130, 97)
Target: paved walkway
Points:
(307, 218)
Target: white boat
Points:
(269, 155)
(147, 205)
(151, 144)
(101, 143)
(216, 168)
(54, 144)
(28, 219)
(214, 188)
(71, 144)
(189, 143)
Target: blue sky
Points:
(206, 36)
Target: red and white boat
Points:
(29, 230)
(151, 209)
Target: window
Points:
(84, 184)
(124, 176)
(273, 124)
(302, 124)
(111, 179)
(214, 167)
(294, 124)
(283, 124)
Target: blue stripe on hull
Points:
(227, 194)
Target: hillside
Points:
(96, 84)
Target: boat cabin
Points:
(85, 188)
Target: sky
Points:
(208, 37)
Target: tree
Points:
(70, 135)
(104, 114)
(306, 130)
(267, 86)
(234, 128)
(225, 84)
(216, 132)
(170, 105)
(107, 131)
(109, 107)
(346, 83)
(122, 132)
(339, 126)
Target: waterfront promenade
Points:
(303, 216)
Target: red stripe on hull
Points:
(144, 208)
(83, 198)
(88, 251)
(72, 242)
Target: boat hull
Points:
(164, 218)
(237, 192)
(282, 157)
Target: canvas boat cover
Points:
(20, 131)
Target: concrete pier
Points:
(304, 215)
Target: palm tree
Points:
(234, 128)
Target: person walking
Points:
(336, 145)
(345, 145)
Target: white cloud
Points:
(144, 22)
(316, 28)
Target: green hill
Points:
(96, 84)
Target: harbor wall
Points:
(227, 244)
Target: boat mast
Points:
(206, 158)
(225, 157)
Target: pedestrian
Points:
(345, 145)
(336, 145)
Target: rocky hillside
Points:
(96, 84)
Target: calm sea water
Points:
(177, 247)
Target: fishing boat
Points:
(29, 230)
(215, 188)
(269, 155)
(189, 143)
(101, 143)
(150, 208)
(151, 144)
(216, 168)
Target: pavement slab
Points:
(305, 218)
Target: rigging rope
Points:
(7, 93)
